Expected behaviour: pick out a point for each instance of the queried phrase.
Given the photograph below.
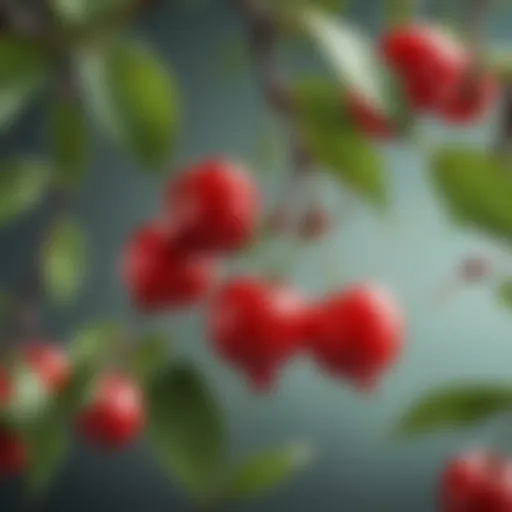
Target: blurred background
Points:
(359, 467)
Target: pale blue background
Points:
(358, 468)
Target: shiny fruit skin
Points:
(116, 415)
(256, 326)
(427, 60)
(477, 482)
(214, 206)
(357, 334)
(13, 453)
(368, 119)
(49, 362)
(160, 275)
(471, 100)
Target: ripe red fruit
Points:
(478, 481)
(368, 119)
(159, 274)
(115, 416)
(214, 206)
(428, 61)
(13, 453)
(49, 362)
(471, 100)
(357, 334)
(256, 326)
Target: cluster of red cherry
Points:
(438, 74)
(212, 210)
(111, 418)
(478, 480)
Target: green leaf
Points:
(186, 428)
(47, 442)
(149, 356)
(400, 12)
(23, 70)
(69, 139)
(345, 152)
(350, 55)
(456, 406)
(505, 293)
(476, 188)
(134, 99)
(499, 61)
(64, 260)
(264, 471)
(23, 184)
(79, 11)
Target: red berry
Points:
(214, 206)
(357, 334)
(158, 274)
(368, 119)
(116, 415)
(256, 326)
(479, 482)
(428, 61)
(49, 362)
(471, 99)
(13, 453)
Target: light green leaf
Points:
(476, 188)
(149, 356)
(264, 471)
(456, 406)
(134, 98)
(23, 70)
(64, 260)
(336, 144)
(69, 139)
(499, 61)
(23, 184)
(349, 53)
(186, 428)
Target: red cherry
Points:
(49, 362)
(159, 274)
(256, 326)
(429, 62)
(358, 334)
(13, 453)
(479, 482)
(214, 206)
(116, 415)
(368, 119)
(471, 99)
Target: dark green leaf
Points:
(505, 293)
(456, 406)
(135, 99)
(186, 427)
(476, 187)
(64, 260)
(69, 139)
(150, 355)
(23, 70)
(264, 471)
(23, 184)
(336, 144)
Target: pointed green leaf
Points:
(23, 70)
(330, 135)
(23, 184)
(264, 471)
(149, 356)
(476, 188)
(69, 139)
(456, 406)
(186, 427)
(64, 260)
(134, 98)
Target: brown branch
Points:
(263, 36)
